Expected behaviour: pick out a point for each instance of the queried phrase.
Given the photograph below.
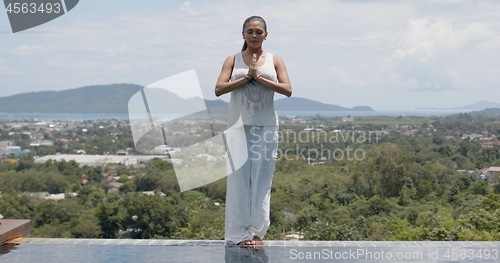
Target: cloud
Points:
(369, 38)
(157, 41)
(29, 50)
(423, 40)
(378, 36)
(114, 50)
(380, 46)
(121, 67)
(6, 70)
(426, 54)
(188, 9)
(344, 78)
(491, 45)
(331, 42)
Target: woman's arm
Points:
(283, 86)
(223, 85)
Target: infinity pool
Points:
(131, 250)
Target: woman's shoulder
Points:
(269, 54)
(277, 60)
(232, 56)
(230, 59)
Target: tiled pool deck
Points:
(133, 250)
(268, 243)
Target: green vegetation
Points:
(406, 186)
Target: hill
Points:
(302, 104)
(480, 105)
(90, 99)
(114, 98)
(489, 112)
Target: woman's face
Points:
(254, 33)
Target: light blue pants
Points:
(248, 193)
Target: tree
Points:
(408, 193)
(86, 226)
(90, 196)
(110, 215)
(126, 187)
(386, 169)
(151, 215)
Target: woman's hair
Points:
(252, 18)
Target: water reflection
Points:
(6, 248)
(235, 254)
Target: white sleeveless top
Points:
(253, 101)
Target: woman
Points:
(252, 77)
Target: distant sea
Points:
(419, 113)
(125, 116)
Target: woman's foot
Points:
(245, 243)
(257, 242)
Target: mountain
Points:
(480, 105)
(90, 99)
(301, 104)
(115, 98)
(112, 98)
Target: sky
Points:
(386, 54)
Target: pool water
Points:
(131, 250)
